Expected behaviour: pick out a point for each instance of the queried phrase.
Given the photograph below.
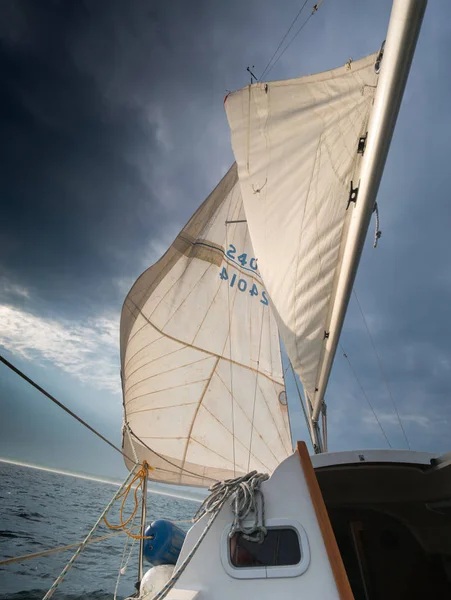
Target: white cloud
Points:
(88, 351)
(390, 418)
(9, 289)
(17, 290)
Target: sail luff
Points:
(402, 36)
(296, 148)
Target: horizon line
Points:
(117, 483)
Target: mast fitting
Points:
(353, 193)
(362, 144)
(380, 56)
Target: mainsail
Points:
(296, 144)
(202, 376)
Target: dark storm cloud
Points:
(115, 132)
(105, 107)
(73, 200)
(115, 127)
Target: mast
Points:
(402, 35)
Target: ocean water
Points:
(40, 510)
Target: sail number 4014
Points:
(243, 285)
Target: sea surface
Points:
(40, 510)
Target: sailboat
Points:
(271, 256)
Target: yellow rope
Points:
(141, 476)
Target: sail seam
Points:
(239, 441)
(179, 469)
(194, 362)
(141, 349)
(207, 311)
(273, 420)
(227, 459)
(205, 351)
(197, 410)
(244, 413)
(176, 281)
(164, 390)
(143, 410)
(153, 360)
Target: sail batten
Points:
(201, 364)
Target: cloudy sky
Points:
(113, 132)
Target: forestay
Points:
(296, 147)
(202, 375)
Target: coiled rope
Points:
(139, 476)
(246, 493)
(243, 492)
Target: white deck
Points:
(287, 497)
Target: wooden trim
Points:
(335, 560)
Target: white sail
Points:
(200, 354)
(296, 147)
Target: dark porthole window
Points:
(279, 548)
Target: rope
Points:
(379, 362)
(141, 476)
(23, 557)
(15, 559)
(132, 443)
(378, 232)
(246, 489)
(87, 539)
(61, 405)
(324, 425)
(123, 567)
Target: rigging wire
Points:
(381, 369)
(80, 420)
(286, 393)
(9, 561)
(61, 405)
(283, 39)
(366, 397)
(255, 390)
(302, 404)
(315, 8)
(23, 557)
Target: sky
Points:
(114, 132)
